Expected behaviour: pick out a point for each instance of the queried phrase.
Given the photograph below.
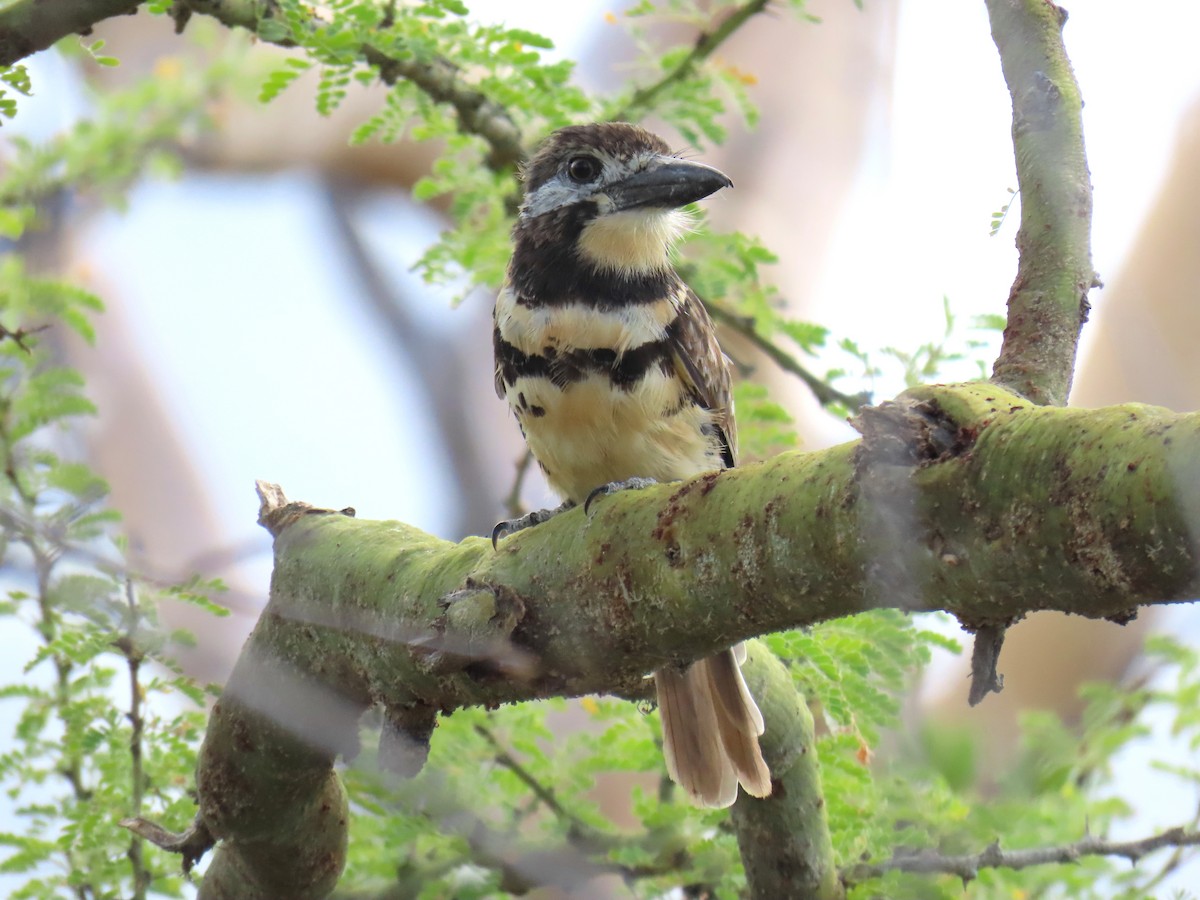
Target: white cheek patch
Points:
(559, 192)
(635, 241)
(549, 196)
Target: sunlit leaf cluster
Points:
(98, 680)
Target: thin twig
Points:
(190, 844)
(967, 866)
(18, 336)
(8, 446)
(825, 393)
(48, 627)
(706, 44)
(429, 353)
(576, 827)
(15, 521)
(512, 502)
(672, 855)
(45, 555)
(133, 657)
(1174, 860)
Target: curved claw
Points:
(511, 526)
(629, 484)
(596, 492)
(501, 530)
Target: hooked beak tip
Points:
(672, 184)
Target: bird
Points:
(611, 365)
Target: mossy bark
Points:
(963, 498)
(1048, 302)
(784, 839)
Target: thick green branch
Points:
(1048, 302)
(27, 26)
(962, 498)
(784, 840)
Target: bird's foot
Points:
(537, 517)
(629, 484)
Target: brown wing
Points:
(705, 369)
(498, 345)
(498, 374)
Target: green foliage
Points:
(132, 132)
(480, 199)
(727, 272)
(499, 784)
(496, 63)
(107, 726)
(93, 50)
(13, 78)
(279, 79)
(693, 95)
(935, 795)
(950, 357)
(1001, 214)
(764, 427)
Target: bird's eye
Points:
(583, 169)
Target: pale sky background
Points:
(916, 229)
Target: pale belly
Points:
(587, 431)
(590, 432)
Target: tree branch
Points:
(429, 351)
(441, 80)
(962, 498)
(513, 505)
(667, 842)
(985, 657)
(825, 393)
(992, 857)
(706, 44)
(437, 77)
(1172, 863)
(27, 26)
(1048, 303)
(128, 646)
(577, 829)
(784, 840)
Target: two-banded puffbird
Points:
(612, 368)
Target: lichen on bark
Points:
(964, 498)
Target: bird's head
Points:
(610, 194)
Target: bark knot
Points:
(910, 433)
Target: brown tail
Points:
(711, 726)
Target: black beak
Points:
(674, 183)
